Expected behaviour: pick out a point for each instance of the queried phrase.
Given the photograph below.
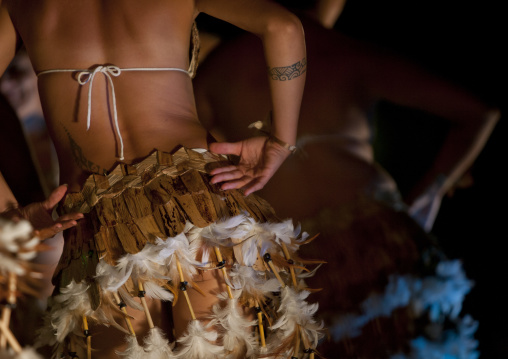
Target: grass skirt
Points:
(149, 229)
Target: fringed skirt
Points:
(149, 230)
(389, 291)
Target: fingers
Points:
(236, 184)
(226, 148)
(219, 170)
(55, 197)
(61, 225)
(255, 185)
(70, 217)
(226, 176)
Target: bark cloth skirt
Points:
(149, 229)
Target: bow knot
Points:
(87, 76)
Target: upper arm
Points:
(407, 84)
(8, 39)
(256, 16)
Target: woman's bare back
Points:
(155, 109)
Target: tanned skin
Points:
(156, 110)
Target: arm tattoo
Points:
(288, 72)
(80, 158)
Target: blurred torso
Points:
(334, 132)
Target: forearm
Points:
(460, 149)
(471, 120)
(284, 43)
(284, 46)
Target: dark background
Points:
(464, 42)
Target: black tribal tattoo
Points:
(80, 158)
(288, 72)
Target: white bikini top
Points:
(84, 76)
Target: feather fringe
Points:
(186, 252)
(155, 291)
(144, 265)
(251, 282)
(26, 353)
(157, 346)
(295, 311)
(110, 278)
(129, 300)
(133, 350)
(198, 343)
(237, 331)
(67, 311)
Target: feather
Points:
(110, 278)
(283, 231)
(251, 282)
(198, 343)
(26, 353)
(186, 252)
(12, 265)
(258, 239)
(216, 233)
(157, 346)
(129, 300)
(45, 335)
(309, 274)
(133, 350)
(69, 307)
(238, 336)
(157, 292)
(13, 234)
(296, 311)
(144, 265)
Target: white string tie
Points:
(87, 76)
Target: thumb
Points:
(226, 148)
(54, 197)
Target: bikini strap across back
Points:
(84, 76)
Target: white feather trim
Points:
(198, 343)
(133, 350)
(216, 233)
(157, 346)
(26, 353)
(251, 281)
(14, 234)
(110, 278)
(237, 330)
(17, 244)
(295, 310)
(157, 292)
(260, 239)
(45, 335)
(69, 306)
(283, 231)
(186, 253)
(143, 265)
(129, 300)
(11, 265)
(305, 274)
(68, 309)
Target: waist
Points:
(83, 153)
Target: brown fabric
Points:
(363, 244)
(134, 204)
